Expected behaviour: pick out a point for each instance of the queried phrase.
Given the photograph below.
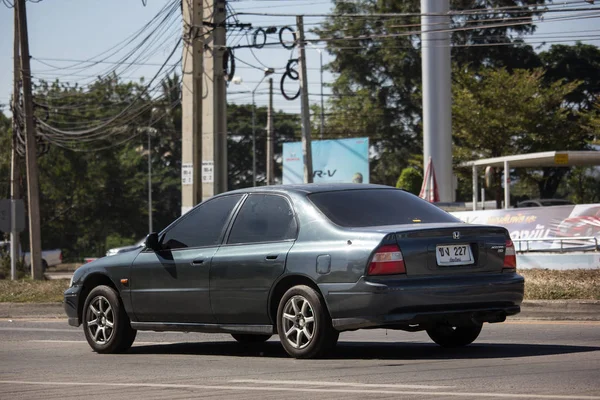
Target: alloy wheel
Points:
(298, 322)
(100, 320)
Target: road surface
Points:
(47, 359)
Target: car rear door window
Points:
(203, 226)
(377, 207)
(263, 218)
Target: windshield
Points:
(377, 207)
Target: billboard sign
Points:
(334, 161)
(543, 223)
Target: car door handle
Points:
(272, 257)
(199, 261)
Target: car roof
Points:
(309, 188)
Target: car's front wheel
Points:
(247, 338)
(454, 336)
(303, 323)
(105, 323)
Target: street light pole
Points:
(150, 230)
(238, 81)
(254, 135)
(322, 129)
(322, 105)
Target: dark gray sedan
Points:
(305, 262)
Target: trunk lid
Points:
(448, 249)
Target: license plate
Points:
(455, 254)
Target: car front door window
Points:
(203, 227)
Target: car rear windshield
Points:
(377, 207)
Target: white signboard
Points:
(187, 174)
(208, 171)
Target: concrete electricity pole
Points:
(150, 227)
(437, 100)
(31, 153)
(305, 110)
(191, 104)
(270, 138)
(15, 176)
(214, 105)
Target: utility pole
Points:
(437, 100)
(191, 104)
(214, 107)
(305, 110)
(150, 228)
(31, 154)
(15, 192)
(270, 138)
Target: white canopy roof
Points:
(532, 160)
(545, 159)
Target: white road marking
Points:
(297, 389)
(550, 322)
(57, 341)
(85, 342)
(23, 329)
(344, 384)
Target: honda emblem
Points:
(456, 235)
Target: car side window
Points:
(203, 226)
(263, 218)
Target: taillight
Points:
(510, 256)
(387, 260)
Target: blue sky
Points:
(80, 29)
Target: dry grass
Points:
(544, 284)
(28, 291)
(540, 284)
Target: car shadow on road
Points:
(367, 350)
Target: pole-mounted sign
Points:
(6, 218)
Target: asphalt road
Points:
(515, 360)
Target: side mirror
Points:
(152, 242)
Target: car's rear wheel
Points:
(247, 338)
(105, 323)
(303, 323)
(454, 336)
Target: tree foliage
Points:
(410, 180)
(91, 198)
(5, 146)
(577, 63)
(498, 113)
(377, 62)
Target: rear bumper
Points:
(71, 305)
(404, 302)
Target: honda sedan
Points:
(305, 262)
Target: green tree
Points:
(497, 113)
(239, 145)
(94, 193)
(377, 62)
(577, 63)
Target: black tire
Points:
(103, 304)
(247, 338)
(454, 336)
(44, 265)
(310, 314)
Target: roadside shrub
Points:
(5, 267)
(410, 180)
